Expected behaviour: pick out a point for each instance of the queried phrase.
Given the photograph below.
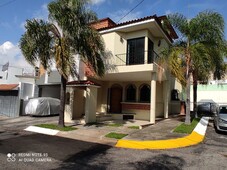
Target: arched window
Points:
(131, 93)
(145, 93)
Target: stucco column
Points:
(146, 51)
(166, 96)
(153, 98)
(69, 105)
(91, 104)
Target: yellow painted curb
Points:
(194, 138)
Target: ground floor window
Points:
(145, 93)
(131, 93)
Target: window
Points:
(135, 51)
(131, 93)
(145, 93)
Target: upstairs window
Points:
(131, 93)
(145, 93)
(135, 51)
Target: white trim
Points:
(163, 33)
(127, 26)
(41, 130)
(202, 126)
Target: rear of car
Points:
(220, 118)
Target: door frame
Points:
(120, 88)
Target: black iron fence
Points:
(136, 57)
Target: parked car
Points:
(42, 106)
(220, 118)
(206, 107)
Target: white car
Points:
(43, 106)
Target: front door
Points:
(115, 99)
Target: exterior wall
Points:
(217, 93)
(142, 110)
(27, 90)
(117, 44)
(10, 78)
(49, 91)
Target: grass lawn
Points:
(114, 125)
(183, 128)
(134, 127)
(56, 127)
(115, 135)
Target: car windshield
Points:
(223, 110)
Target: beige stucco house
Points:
(134, 86)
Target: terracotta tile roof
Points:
(82, 83)
(129, 22)
(171, 36)
(5, 87)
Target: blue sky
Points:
(13, 14)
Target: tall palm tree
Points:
(59, 40)
(209, 61)
(198, 36)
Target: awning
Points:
(6, 87)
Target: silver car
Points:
(220, 118)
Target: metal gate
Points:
(9, 103)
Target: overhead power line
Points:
(7, 3)
(130, 11)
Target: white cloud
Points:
(11, 53)
(97, 2)
(116, 16)
(41, 13)
(167, 12)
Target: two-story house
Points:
(134, 86)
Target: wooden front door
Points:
(115, 99)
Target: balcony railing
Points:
(136, 58)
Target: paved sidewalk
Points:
(163, 129)
(194, 138)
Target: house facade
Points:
(16, 86)
(134, 85)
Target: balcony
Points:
(136, 58)
(131, 66)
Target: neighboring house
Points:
(134, 86)
(49, 84)
(16, 86)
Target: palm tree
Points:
(59, 40)
(204, 65)
(199, 36)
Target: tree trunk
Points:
(188, 62)
(195, 84)
(188, 116)
(61, 121)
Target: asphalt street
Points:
(36, 151)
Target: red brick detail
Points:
(103, 23)
(134, 106)
(89, 72)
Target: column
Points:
(166, 96)
(146, 51)
(153, 98)
(91, 104)
(69, 105)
